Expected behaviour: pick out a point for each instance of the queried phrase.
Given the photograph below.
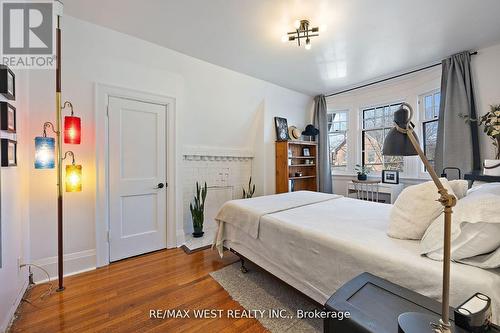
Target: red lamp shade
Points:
(72, 130)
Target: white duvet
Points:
(318, 247)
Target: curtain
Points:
(320, 121)
(457, 141)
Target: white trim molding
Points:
(197, 153)
(74, 263)
(102, 93)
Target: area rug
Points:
(259, 290)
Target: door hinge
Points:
(108, 236)
(107, 110)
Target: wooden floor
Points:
(118, 298)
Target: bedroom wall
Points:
(216, 109)
(14, 209)
(486, 71)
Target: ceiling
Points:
(364, 40)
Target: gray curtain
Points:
(457, 141)
(320, 121)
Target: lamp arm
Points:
(68, 104)
(70, 153)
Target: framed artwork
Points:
(281, 129)
(7, 83)
(9, 152)
(390, 176)
(306, 152)
(7, 117)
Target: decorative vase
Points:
(491, 167)
(362, 176)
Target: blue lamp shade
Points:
(44, 152)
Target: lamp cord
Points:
(44, 294)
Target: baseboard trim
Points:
(74, 263)
(12, 312)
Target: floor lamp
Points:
(49, 154)
(402, 141)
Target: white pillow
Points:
(459, 187)
(475, 230)
(415, 209)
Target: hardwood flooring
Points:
(119, 297)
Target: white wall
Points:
(215, 108)
(486, 71)
(14, 210)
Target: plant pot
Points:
(362, 176)
(491, 167)
(198, 233)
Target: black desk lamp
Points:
(402, 141)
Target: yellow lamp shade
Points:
(73, 178)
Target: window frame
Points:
(343, 168)
(422, 172)
(362, 130)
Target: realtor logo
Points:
(28, 34)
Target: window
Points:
(429, 104)
(337, 134)
(376, 123)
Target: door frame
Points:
(103, 92)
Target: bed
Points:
(320, 242)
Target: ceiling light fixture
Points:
(302, 31)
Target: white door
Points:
(137, 177)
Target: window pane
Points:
(372, 146)
(428, 101)
(377, 127)
(368, 118)
(437, 99)
(430, 138)
(436, 111)
(338, 149)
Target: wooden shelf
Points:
(290, 159)
(304, 143)
(301, 177)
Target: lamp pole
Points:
(448, 201)
(60, 252)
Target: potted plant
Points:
(362, 172)
(251, 190)
(197, 210)
(491, 127)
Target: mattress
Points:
(318, 247)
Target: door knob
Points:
(160, 185)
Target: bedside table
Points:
(374, 305)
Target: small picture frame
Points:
(7, 117)
(281, 125)
(306, 152)
(7, 82)
(9, 152)
(390, 176)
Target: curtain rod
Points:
(389, 78)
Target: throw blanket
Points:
(245, 214)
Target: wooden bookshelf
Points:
(287, 165)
